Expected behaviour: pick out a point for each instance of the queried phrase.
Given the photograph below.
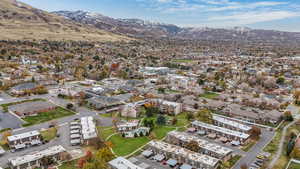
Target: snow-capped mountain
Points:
(141, 28)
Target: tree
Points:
(255, 132)
(150, 111)
(5, 134)
(174, 121)
(193, 146)
(70, 106)
(189, 116)
(280, 80)
(161, 90)
(244, 166)
(290, 146)
(161, 120)
(205, 116)
(81, 162)
(88, 156)
(287, 116)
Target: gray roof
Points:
(24, 86)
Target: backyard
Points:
(59, 112)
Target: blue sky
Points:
(262, 14)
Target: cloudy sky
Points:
(262, 14)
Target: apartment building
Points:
(210, 149)
(88, 129)
(183, 155)
(222, 132)
(230, 124)
(24, 140)
(122, 163)
(34, 160)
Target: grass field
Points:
(209, 95)
(49, 134)
(161, 131)
(105, 132)
(59, 112)
(124, 146)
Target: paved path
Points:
(281, 144)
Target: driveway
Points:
(250, 156)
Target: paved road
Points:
(62, 122)
(250, 156)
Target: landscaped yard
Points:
(47, 116)
(105, 132)
(209, 95)
(124, 146)
(49, 134)
(161, 131)
(228, 164)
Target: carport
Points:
(159, 157)
(186, 166)
(171, 162)
(147, 153)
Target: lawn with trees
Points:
(42, 117)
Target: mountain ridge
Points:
(20, 21)
(141, 28)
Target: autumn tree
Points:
(193, 146)
(255, 132)
(205, 116)
(244, 166)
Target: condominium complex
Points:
(88, 128)
(230, 124)
(183, 155)
(220, 131)
(122, 163)
(34, 160)
(24, 140)
(211, 149)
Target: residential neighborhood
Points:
(81, 90)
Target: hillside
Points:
(140, 28)
(19, 21)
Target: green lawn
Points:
(209, 95)
(294, 166)
(47, 116)
(49, 134)
(105, 132)
(161, 131)
(124, 146)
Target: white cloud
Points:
(253, 17)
